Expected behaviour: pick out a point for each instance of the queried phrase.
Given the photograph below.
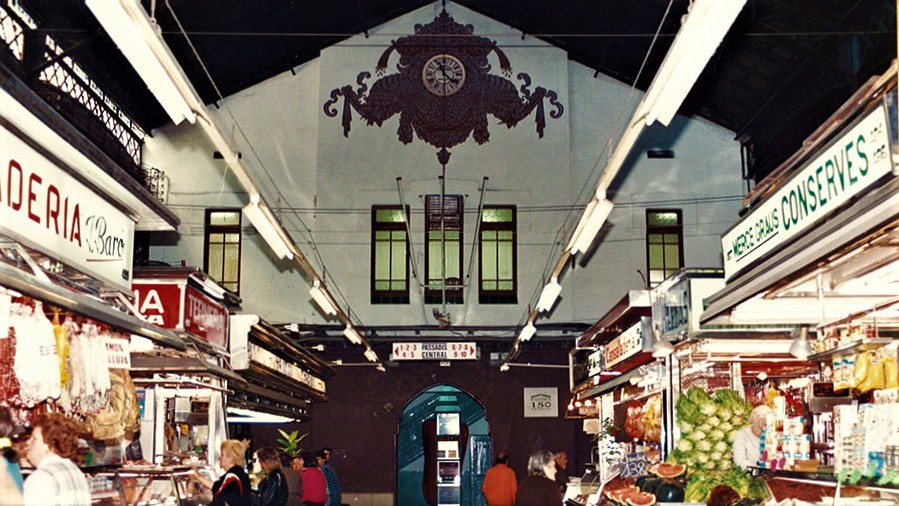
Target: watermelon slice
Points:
(669, 470)
(641, 499)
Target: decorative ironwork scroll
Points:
(443, 90)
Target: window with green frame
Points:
(664, 243)
(221, 249)
(389, 255)
(443, 255)
(498, 276)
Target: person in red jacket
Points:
(500, 483)
(315, 488)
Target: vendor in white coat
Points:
(746, 441)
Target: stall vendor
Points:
(746, 441)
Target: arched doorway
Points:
(443, 448)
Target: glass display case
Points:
(106, 489)
(158, 486)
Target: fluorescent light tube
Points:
(527, 332)
(320, 296)
(706, 24)
(267, 226)
(138, 38)
(549, 295)
(352, 335)
(370, 355)
(598, 215)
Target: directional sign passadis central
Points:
(434, 351)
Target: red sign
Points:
(182, 307)
(158, 303)
(205, 318)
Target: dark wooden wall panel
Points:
(359, 421)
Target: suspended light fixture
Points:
(352, 334)
(264, 222)
(801, 348)
(549, 295)
(594, 217)
(371, 355)
(504, 367)
(702, 32)
(527, 332)
(137, 36)
(320, 296)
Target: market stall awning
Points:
(43, 289)
(143, 363)
(848, 245)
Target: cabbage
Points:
(716, 434)
(711, 464)
(697, 435)
(684, 445)
(713, 421)
(725, 413)
(716, 456)
(721, 446)
(700, 458)
(686, 410)
(708, 409)
(685, 426)
(705, 427)
(724, 465)
(731, 435)
(703, 446)
(726, 427)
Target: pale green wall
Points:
(316, 168)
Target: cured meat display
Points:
(60, 365)
(36, 364)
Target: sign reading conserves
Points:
(858, 158)
(434, 351)
(44, 208)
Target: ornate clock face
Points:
(443, 75)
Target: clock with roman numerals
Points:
(443, 75)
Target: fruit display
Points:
(643, 421)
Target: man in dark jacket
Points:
(273, 488)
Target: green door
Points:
(428, 454)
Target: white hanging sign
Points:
(118, 353)
(434, 351)
(848, 166)
(541, 402)
(46, 209)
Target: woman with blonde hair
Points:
(539, 488)
(233, 487)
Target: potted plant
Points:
(290, 442)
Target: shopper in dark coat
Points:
(539, 488)
(272, 490)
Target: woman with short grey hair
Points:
(539, 488)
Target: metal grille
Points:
(67, 76)
(11, 29)
(156, 182)
(452, 212)
(76, 96)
